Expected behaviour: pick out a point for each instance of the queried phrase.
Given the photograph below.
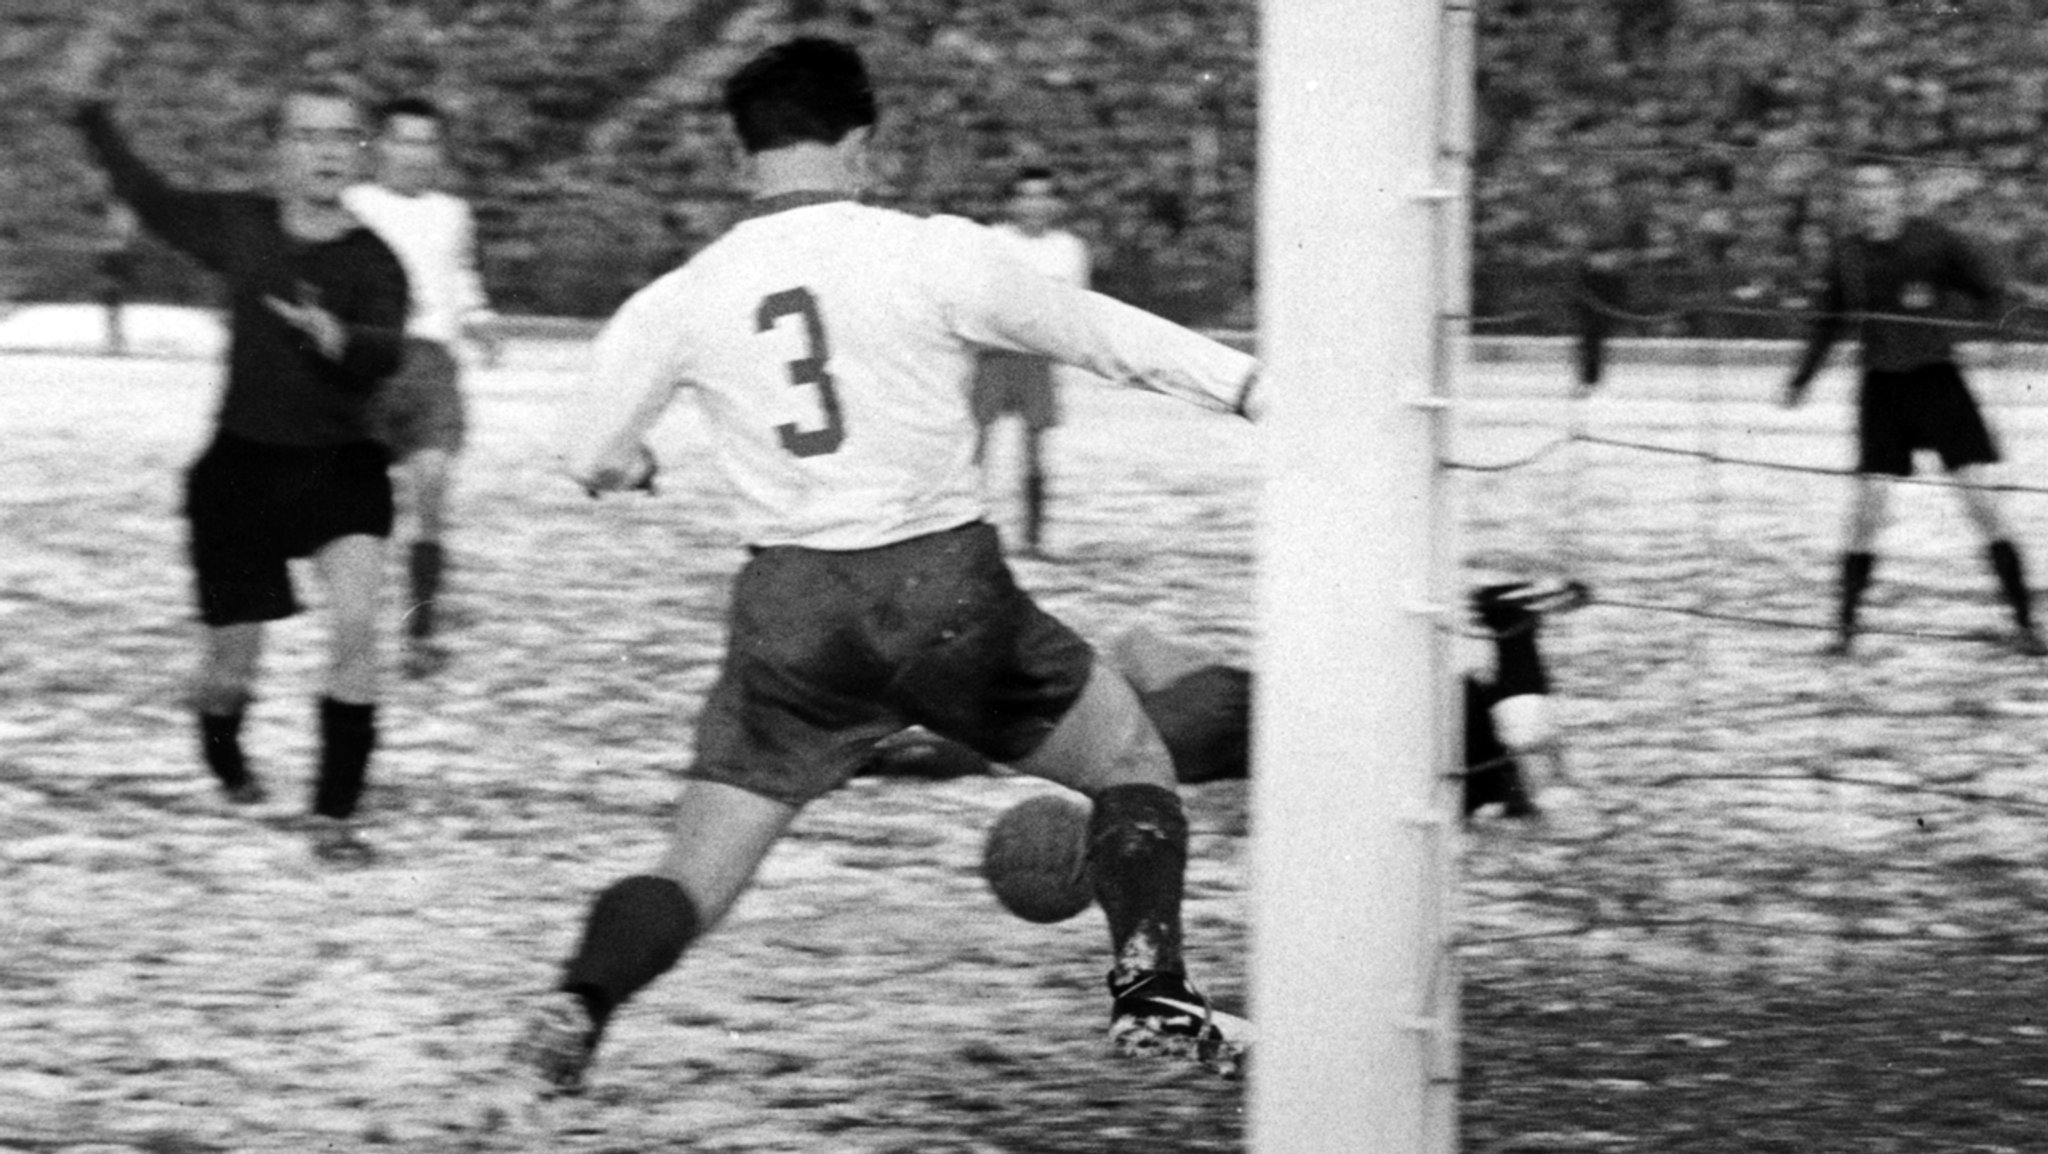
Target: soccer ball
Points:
(1036, 858)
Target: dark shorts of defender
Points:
(253, 508)
(420, 406)
(1007, 382)
(1929, 407)
(831, 651)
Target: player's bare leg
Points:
(1869, 508)
(1981, 502)
(221, 692)
(428, 474)
(352, 569)
(1107, 748)
(639, 927)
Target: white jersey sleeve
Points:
(635, 374)
(995, 300)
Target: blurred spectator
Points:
(1148, 99)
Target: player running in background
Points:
(419, 413)
(316, 305)
(1896, 277)
(829, 345)
(1006, 381)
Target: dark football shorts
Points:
(420, 406)
(1020, 383)
(831, 651)
(253, 507)
(1929, 407)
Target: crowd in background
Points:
(1702, 141)
(1705, 143)
(589, 137)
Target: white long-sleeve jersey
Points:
(1057, 253)
(831, 345)
(434, 236)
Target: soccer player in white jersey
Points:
(1023, 383)
(828, 345)
(419, 413)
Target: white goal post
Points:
(1364, 113)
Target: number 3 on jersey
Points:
(806, 370)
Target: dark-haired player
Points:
(1006, 381)
(829, 345)
(1898, 278)
(316, 307)
(419, 413)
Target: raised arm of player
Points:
(187, 220)
(999, 301)
(601, 439)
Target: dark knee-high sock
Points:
(425, 565)
(1856, 569)
(2012, 581)
(220, 742)
(637, 930)
(348, 732)
(1137, 862)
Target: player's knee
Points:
(1141, 756)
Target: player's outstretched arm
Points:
(187, 220)
(1825, 330)
(603, 424)
(998, 301)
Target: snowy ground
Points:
(1778, 904)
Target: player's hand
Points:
(321, 327)
(81, 73)
(1251, 401)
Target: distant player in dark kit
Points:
(830, 345)
(1897, 279)
(316, 308)
(1026, 384)
(419, 414)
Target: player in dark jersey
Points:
(1898, 279)
(317, 306)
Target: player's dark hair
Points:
(414, 106)
(322, 88)
(810, 89)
